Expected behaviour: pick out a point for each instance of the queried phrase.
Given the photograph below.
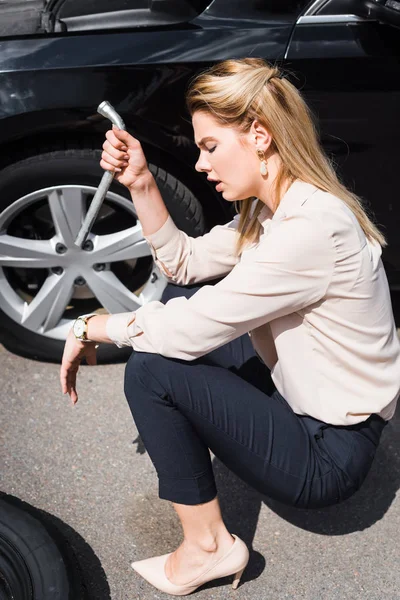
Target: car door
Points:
(349, 71)
(20, 17)
(140, 56)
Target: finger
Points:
(63, 382)
(71, 377)
(71, 388)
(114, 152)
(74, 396)
(114, 141)
(68, 384)
(125, 138)
(116, 162)
(107, 167)
(64, 379)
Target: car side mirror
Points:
(386, 11)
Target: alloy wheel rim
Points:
(71, 271)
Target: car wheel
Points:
(45, 280)
(32, 566)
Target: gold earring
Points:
(263, 164)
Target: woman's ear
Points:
(260, 136)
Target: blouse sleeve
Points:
(185, 260)
(289, 270)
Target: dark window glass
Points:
(285, 10)
(284, 7)
(72, 8)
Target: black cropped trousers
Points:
(226, 402)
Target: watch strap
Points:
(83, 337)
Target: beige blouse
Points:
(312, 293)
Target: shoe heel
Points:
(236, 578)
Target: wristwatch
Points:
(80, 327)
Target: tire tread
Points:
(184, 208)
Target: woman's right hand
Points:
(123, 155)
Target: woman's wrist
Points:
(150, 207)
(80, 344)
(143, 183)
(96, 329)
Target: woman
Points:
(299, 270)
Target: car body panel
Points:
(350, 75)
(53, 84)
(349, 72)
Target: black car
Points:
(59, 59)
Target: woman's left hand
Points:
(74, 351)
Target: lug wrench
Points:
(106, 110)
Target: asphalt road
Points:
(84, 466)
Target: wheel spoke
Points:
(154, 286)
(46, 314)
(67, 207)
(123, 245)
(48, 306)
(111, 293)
(20, 252)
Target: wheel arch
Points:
(16, 183)
(68, 130)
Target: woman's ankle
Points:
(210, 543)
(203, 527)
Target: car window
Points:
(74, 8)
(339, 7)
(286, 10)
(20, 17)
(284, 7)
(95, 15)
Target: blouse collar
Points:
(296, 195)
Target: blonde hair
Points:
(237, 92)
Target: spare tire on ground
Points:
(33, 563)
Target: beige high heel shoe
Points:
(232, 563)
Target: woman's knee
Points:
(143, 371)
(139, 360)
(134, 369)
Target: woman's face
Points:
(227, 157)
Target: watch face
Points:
(79, 327)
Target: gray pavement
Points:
(83, 466)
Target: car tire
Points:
(80, 167)
(32, 563)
